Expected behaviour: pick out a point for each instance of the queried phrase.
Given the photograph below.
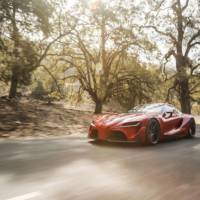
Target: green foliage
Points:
(20, 20)
(137, 85)
(31, 13)
(24, 63)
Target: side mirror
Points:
(168, 114)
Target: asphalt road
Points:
(73, 169)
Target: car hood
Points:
(118, 119)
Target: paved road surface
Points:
(73, 169)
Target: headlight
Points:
(130, 124)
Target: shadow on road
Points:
(163, 144)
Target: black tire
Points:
(95, 142)
(153, 132)
(192, 129)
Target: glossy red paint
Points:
(132, 127)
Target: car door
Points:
(172, 120)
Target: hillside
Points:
(31, 118)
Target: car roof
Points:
(158, 104)
(155, 104)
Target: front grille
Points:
(117, 136)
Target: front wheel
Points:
(192, 129)
(153, 132)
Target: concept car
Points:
(147, 124)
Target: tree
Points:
(96, 47)
(19, 20)
(178, 23)
(137, 85)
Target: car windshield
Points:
(148, 108)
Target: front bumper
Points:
(117, 134)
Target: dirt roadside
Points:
(33, 118)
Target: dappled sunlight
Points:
(72, 168)
(87, 175)
(99, 99)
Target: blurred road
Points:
(73, 169)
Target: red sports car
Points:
(147, 124)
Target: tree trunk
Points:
(184, 94)
(13, 86)
(98, 107)
(181, 64)
(183, 84)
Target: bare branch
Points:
(193, 89)
(185, 6)
(48, 47)
(191, 44)
(167, 56)
(171, 89)
(54, 79)
(167, 34)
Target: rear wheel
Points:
(153, 132)
(192, 129)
